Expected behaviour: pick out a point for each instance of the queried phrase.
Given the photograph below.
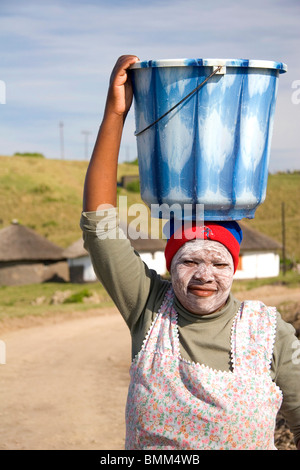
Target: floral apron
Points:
(177, 404)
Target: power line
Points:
(61, 133)
(86, 141)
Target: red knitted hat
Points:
(227, 233)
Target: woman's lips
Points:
(201, 291)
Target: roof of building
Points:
(20, 243)
(141, 245)
(252, 241)
(257, 241)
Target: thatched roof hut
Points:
(141, 245)
(257, 241)
(27, 257)
(76, 250)
(151, 251)
(20, 243)
(259, 255)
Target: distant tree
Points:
(133, 186)
(134, 162)
(29, 154)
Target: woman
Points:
(208, 372)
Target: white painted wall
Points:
(254, 265)
(156, 261)
(258, 265)
(88, 270)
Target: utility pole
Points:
(61, 127)
(86, 139)
(283, 237)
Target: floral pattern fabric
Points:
(176, 404)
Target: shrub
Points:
(78, 297)
(133, 186)
(29, 154)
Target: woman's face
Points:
(202, 274)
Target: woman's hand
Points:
(119, 97)
(101, 177)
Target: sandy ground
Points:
(64, 384)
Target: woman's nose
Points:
(204, 273)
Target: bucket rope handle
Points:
(181, 101)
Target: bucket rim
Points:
(265, 64)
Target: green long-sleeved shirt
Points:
(138, 293)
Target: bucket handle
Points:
(216, 70)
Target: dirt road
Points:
(64, 384)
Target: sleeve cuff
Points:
(104, 224)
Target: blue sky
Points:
(56, 58)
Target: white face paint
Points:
(202, 274)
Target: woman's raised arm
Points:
(101, 177)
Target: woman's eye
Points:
(189, 262)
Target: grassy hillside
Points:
(46, 195)
(282, 188)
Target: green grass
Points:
(29, 154)
(37, 299)
(46, 195)
(79, 296)
(291, 279)
(133, 186)
(282, 188)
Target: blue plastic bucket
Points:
(213, 148)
